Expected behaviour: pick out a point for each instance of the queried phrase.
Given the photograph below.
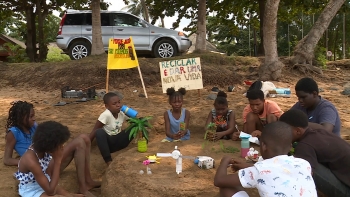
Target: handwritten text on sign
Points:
(182, 73)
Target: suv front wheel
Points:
(164, 49)
(79, 49)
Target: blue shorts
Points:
(30, 190)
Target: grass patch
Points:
(246, 61)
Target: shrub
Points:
(17, 53)
(54, 55)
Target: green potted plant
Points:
(210, 132)
(138, 130)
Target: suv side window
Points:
(74, 19)
(104, 19)
(126, 20)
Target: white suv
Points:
(75, 34)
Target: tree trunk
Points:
(145, 10)
(41, 12)
(262, 4)
(201, 27)
(97, 44)
(304, 51)
(335, 42)
(272, 67)
(31, 34)
(162, 21)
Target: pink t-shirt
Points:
(270, 107)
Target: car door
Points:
(106, 28)
(126, 25)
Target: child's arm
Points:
(9, 146)
(167, 128)
(54, 169)
(222, 179)
(244, 178)
(98, 125)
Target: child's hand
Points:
(235, 136)
(181, 133)
(176, 136)
(237, 165)
(256, 133)
(218, 136)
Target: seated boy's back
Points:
(279, 176)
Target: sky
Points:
(118, 5)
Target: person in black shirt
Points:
(328, 154)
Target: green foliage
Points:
(135, 7)
(228, 149)
(211, 127)
(138, 126)
(17, 53)
(321, 56)
(222, 148)
(54, 55)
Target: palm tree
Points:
(138, 8)
(97, 44)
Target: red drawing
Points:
(265, 172)
(251, 175)
(118, 41)
(302, 191)
(127, 41)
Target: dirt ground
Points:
(41, 83)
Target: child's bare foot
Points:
(93, 184)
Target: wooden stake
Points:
(143, 85)
(107, 79)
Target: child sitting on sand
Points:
(108, 128)
(223, 118)
(176, 119)
(20, 129)
(276, 175)
(38, 171)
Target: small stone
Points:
(211, 97)
(141, 172)
(149, 172)
(346, 91)
(142, 95)
(333, 88)
(347, 85)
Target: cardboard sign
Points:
(181, 73)
(121, 54)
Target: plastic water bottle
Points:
(245, 144)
